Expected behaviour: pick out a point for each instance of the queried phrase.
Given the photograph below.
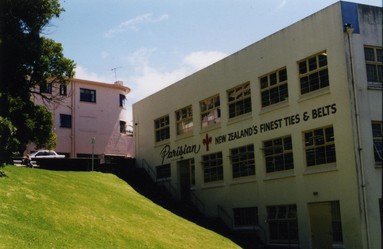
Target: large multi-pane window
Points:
(212, 167)
(313, 73)
(46, 88)
(210, 111)
(239, 99)
(377, 134)
(65, 121)
(162, 129)
(87, 95)
(274, 87)
(245, 217)
(122, 127)
(374, 64)
(122, 100)
(278, 154)
(283, 224)
(184, 120)
(320, 146)
(242, 161)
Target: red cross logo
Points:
(206, 141)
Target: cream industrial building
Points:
(283, 136)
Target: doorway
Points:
(326, 225)
(187, 177)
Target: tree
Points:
(28, 60)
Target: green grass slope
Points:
(56, 209)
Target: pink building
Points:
(90, 117)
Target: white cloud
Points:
(282, 4)
(135, 23)
(202, 59)
(85, 74)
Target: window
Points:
(122, 100)
(239, 99)
(278, 154)
(210, 111)
(122, 127)
(374, 64)
(337, 234)
(63, 90)
(184, 120)
(46, 88)
(212, 167)
(163, 171)
(65, 121)
(283, 225)
(320, 146)
(377, 135)
(242, 161)
(162, 129)
(313, 73)
(245, 217)
(274, 87)
(87, 95)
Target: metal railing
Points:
(199, 204)
(152, 173)
(225, 217)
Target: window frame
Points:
(212, 166)
(377, 140)
(242, 161)
(280, 152)
(63, 90)
(123, 127)
(276, 221)
(88, 95)
(374, 66)
(64, 121)
(270, 82)
(314, 74)
(122, 100)
(239, 100)
(210, 109)
(162, 128)
(184, 120)
(314, 146)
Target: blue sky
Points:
(154, 43)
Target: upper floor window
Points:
(46, 88)
(122, 100)
(239, 99)
(320, 146)
(63, 89)
(212, 167)
(162, 129)
(377, 134)
(122, 127)
(210, 111)
(278, 154)
(184, 120)
(274, 87)
(87, 95)
(374, 64)
(65, 121)
(313, 73)
(242, 161)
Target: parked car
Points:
(46, 154)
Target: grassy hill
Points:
(57, 209)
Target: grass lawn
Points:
(57, 209)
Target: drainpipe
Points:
(359, 155)
(73, 108)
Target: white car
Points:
(46, 154)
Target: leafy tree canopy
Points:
(28, 60)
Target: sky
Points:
(150, 44)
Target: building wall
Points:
(99, 120)
(304, 186)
